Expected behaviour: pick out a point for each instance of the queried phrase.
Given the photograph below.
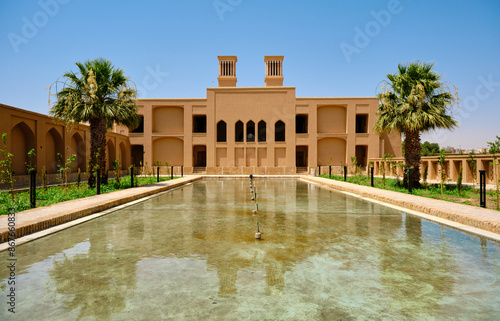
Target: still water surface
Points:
(191, 254)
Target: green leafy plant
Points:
(71, 159)
(382, 171)
(168, 168)
(355, 167)
(116, 168)
(391, 162)
(64, 167)
(383, 166)
(494, 150)
(342, 168)
(368, 168)
(471, 160)
(92, 170)
(29, 164)
(394, 169)
(6, 170)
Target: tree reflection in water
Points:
(97, 283)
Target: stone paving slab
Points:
(37, 219)
(485, 219)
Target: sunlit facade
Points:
(258, 130)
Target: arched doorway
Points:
(124, 159)
(22, 141)
(77, 148)
(111, 154)
(53, 146)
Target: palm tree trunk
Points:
(412, 156)
(97, 150)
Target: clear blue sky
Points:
(325, 52)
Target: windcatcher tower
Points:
(227, 71)
(274, 71)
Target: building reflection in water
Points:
(211, 221)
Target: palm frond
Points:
(415, 99)
(96, 90)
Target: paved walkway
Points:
(44, 217)
(485, 219)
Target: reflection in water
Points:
(418, 276)
(191, 253)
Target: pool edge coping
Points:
(104, 204)
(410, 204)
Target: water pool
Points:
(191, 254)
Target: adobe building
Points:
(27, 130)
(258, 130)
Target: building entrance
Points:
(301, 156)
(200, 156)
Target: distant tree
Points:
(412, 101)
(430, 149)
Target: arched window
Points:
(262, 131)
(221, 131)
(279, 131)
(238, 131)
(250, 131)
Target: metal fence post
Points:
(98, 187)
(158, 174)
(171, 172)
(345, 173)
(33, 188)
(182, 171)
(330, 171)
(132, 176)
(482, 188)
(373, 168)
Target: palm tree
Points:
(414, 100)
(100, 95)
